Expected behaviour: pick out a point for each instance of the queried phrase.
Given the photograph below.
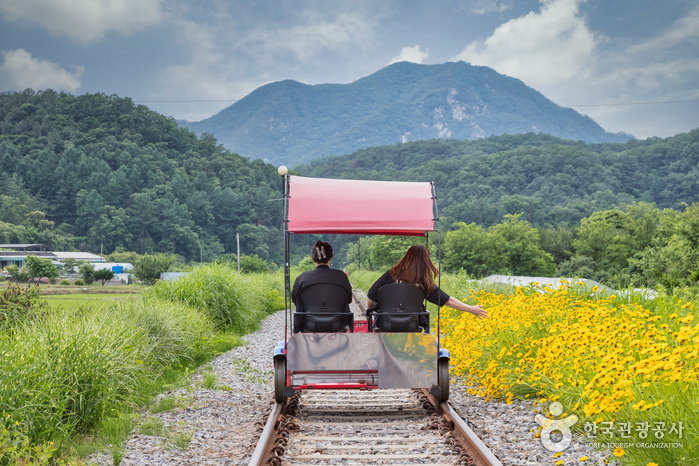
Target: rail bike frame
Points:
(359, 360)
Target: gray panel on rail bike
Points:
(403, 360)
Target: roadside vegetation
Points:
(71, 375)
(626, 365)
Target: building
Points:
(117, 267)
(16, 254)
(78, 256)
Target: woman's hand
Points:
(477, 311)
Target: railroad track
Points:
(317, 427)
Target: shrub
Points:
(17, 274)
(149, 267)
(78, 282)
(52, 281)
(37, 267)
(88, 272)
(17, 303)
(253, 264)
(103, 275)
(65, 282)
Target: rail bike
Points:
(333, 351)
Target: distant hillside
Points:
(96, 172)
(550, 180)
(289, 122)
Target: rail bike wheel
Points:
(443, 378)
(279, 379)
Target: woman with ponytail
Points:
(417, 268)
(321, 254)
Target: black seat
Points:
(400, 308)
(324, 306)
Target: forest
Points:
(98, 173)
(547, 179)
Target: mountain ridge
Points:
(293, 123)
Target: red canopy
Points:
(353, 207)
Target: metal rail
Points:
(263, 445)
(446, 431)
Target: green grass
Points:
(234, 301)
(71, 374)
(74, 301)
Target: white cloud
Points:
(224, 60)
(411, 54)
(554, 51)
(540, 48)
(20, 71)
(84, 21)
(306, 41)
(484, 7)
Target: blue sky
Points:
(595, 52)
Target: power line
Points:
(634, 103)
(569, 106)
(143, 101)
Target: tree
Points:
(252, 264)
(558, 242)
(38, 268)
(69, 265)
(128, 257)
(467, 249)
(517, 246)
(674, 262)
(604, 238)
(103, 275)
(87, 270)
(386, 251)
(17, 274)
(150, 266)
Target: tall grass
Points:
(236, 302)
(68, 370)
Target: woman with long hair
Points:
(321, 255)
(417, 268)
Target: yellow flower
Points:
(559, 462)
(618, 451)
(652, 464)
(584, 458)
(557, 455)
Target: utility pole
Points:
(237, 240)
(359, 253)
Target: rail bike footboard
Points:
(361, 360)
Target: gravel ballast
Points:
(221, 420)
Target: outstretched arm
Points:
(477, 311)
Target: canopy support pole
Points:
(287, 276)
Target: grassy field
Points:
(73, 301)
(73, 368)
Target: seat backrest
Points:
(324, 298)
(400, 298)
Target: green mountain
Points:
(96, 172)
(290, 123)
(550, 180)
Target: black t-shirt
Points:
(321, 274)
(436, 296)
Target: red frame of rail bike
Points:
(355, 207)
